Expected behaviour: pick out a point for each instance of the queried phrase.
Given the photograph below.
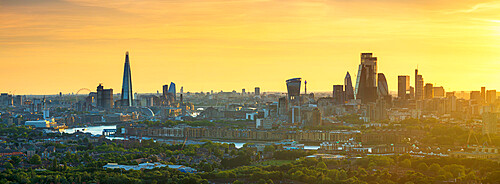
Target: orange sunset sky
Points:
(52, 46)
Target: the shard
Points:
(127, 95)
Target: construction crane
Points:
(471, 132)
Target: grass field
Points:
(273, 162)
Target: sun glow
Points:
(81, 43)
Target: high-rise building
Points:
(429, 91)
(412, 92)
(182, 90)
(6, 99)
(293, 89)
(104, 97)
(491, 124)
(448, 94)
(419, 86)
(282, 106)
(243, 91)
(165, 90)
(366, 82)
(172, 92)
(338, 94)
(403, 86)
(491, 96)
(18, 101)
(127, 98)
(349, 90)
(439, 92)
(483, 95)
(257, 91)
(451, 103)
(475, 96)
(305, 87)
(382, 88)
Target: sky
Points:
(52, 46)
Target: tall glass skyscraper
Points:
(293, 88)
(382, 89)
(366, 82)
(127, 97)
(403, 86)
(419, 86)
(172, 91)
(349, 91)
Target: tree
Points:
(173, 160)
(405, 163)
(15, 160)
(207, 167)
(321, 165)
(8, 165)
(493, 177)
(422, 167)
(470, 177)
(434, 168)
(36, 160)
(269, 148)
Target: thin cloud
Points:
(477, 8)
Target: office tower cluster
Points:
(295, 109)
(369, 98)
(371, 91)
(169, 95)
(430, 100)
(160, 106)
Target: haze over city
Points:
(53, 46)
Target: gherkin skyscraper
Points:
(127, 95)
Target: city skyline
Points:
(249, 91)
(60, 47)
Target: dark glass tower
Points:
(172, 92)
(349, 91)
(127, 95)
(366, 83)
(293, 88)
(382, 89)
(338, 94)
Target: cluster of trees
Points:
(80, 167)
(351, 118)
(290, 154)
(18, 131)
(159, 175)
(371, 169)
